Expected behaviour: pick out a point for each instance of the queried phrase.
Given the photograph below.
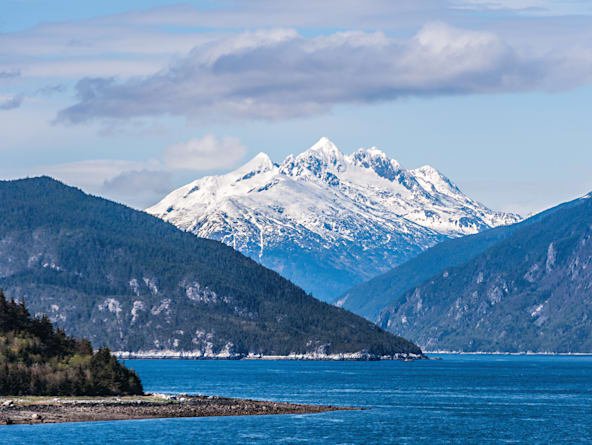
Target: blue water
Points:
(460, 399)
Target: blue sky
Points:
(131, 99)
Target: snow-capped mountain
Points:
(326, 220)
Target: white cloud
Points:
(142, 183)
(198, 154)
(139, 42)
(137, 183)
(138, 63)
(279, 74)
(138, 188)
(92, 174)
(93, 47)
(206, 153)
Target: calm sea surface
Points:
(460, 399)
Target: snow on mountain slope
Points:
(326, 220)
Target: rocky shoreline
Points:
(225, 355)
(35, 410)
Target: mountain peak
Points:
(372, 152)
(325, 145)
(430, 178)
(377, 160)
(352, 215)
(322, 156)
(262, 159)
(376, 152)
(258, 164)
(428, 170)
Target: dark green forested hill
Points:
(36, 359)
(369, 299)
(530, 291)
(125, 279)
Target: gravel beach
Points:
(34, 410)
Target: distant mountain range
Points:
(325, 220)
(525, 287)
(370, 298)
(135, 283)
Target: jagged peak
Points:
(378, 161)
(325, 144)
(433, 176)
(324, 147)
(371, 152)
(429, 173)
(261, 158)
(375, 153)
(427, 170)
(321, 156)
(260, 163)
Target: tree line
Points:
(37, 359)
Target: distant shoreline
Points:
(20, 410)
(427, 355)
(508, 353)
(198, 355)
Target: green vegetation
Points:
(370, 298)
(130, 281)
(36, 359)
(530, 291)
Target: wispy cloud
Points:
(140, 188)
(533, 7)
(277, 74)
(237, 14)
(93, 173)
(142, 183)
(11, 102)
(372, 14)
(137, 183)
(11, 74)
(51, 89)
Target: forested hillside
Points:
(531, 291)
(370, 298)
(36, 359)
(130, 281)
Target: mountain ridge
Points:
(529, 291)
(326, 220)
(125, 279)
(368, 299)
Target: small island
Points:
(48, 377)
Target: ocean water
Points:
(472, 399)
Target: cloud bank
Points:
(142, 183)
(140, 188)
(279, 74)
